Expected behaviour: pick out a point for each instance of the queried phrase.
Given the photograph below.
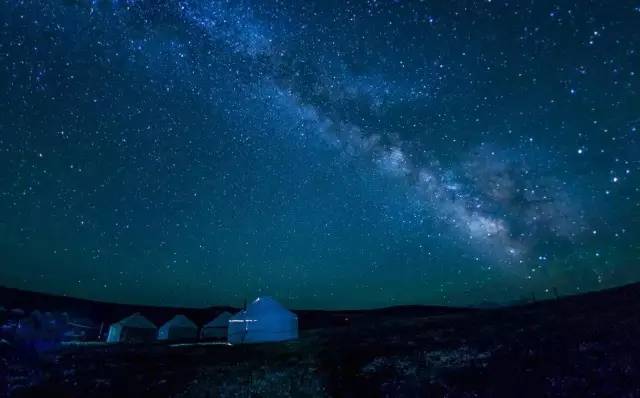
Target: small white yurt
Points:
(132, 329)
(178, 328)
(264, 320)
(217, 328)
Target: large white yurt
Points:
(263, 320)
(217, 328)
(132, 329)
(178, 328)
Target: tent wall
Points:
(177, 333)
(137, 335)
(114, 333)
(262, 330)
(214, 333)
(119, 333)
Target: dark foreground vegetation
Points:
(573, 347)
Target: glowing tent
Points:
(132, 329)
(217, 328)
(264, 320)
(178, 328)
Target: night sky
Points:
(329, 154)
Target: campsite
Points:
(573, 346)
(263, 320)
(312, 198)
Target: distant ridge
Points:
(99, 311)
(110, 312)
(628, 294)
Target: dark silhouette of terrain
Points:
(571, 347)
(98, 311)
(107, 313)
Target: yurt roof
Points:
(220, 321)
(182, 321)
(137, 321)
(264, 305)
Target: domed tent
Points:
(262, 321)
(178, 328)
(132, 329)
(217, 328)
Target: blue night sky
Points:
(329, 153)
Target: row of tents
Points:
(264, 320)
(137, 328)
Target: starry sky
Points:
(332, 154)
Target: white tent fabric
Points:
(264, 320)
(178, 328)
(217, 328)
(134, 328)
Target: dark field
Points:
(573, 347)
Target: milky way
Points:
(329, 154)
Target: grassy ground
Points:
(576, 347)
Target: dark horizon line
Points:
(223, 306)
(513, 303)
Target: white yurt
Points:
(217, 328)
(178, 328)
(132, 329)
(263, 320)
